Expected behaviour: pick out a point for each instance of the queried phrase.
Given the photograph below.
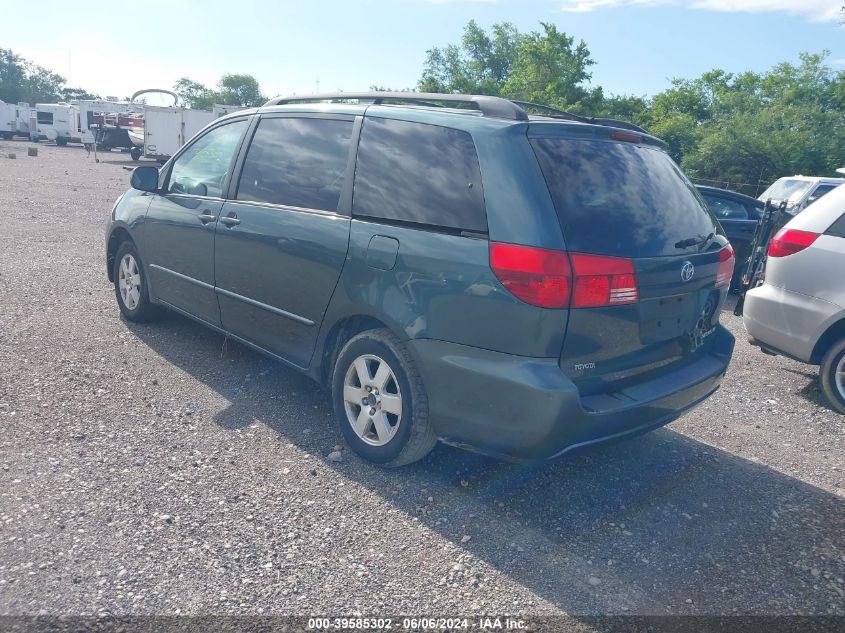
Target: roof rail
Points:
(489, 106)
(563, 114)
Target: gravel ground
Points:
(150, 469)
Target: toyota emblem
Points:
(687, 271)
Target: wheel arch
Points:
(118, 236)
(341, 331)
(833, 333)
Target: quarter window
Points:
(725, 208)
(201, 169)
(297, 162)
(418, 173)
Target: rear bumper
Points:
(528, 408)
(786, 322)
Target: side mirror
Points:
(145, 178)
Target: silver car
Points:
(798, 311)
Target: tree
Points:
(194, 94)
(239, 90)
(76, 94)
(544, 66)
(21, 80)
(549, 68)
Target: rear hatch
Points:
(652, 264)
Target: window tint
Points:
(413, 172)
(202, 169)
(44, 118)
(822, 190)
(725, 208)
(297, 162)
(621, 199)
(837, 228)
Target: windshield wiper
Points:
(694, 241)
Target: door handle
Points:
(230, 220)
(206, 217)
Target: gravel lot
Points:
(149, 469)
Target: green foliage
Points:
(239, 90)
(194, 94)
(231, 90)
(76, 94)
(727, 128)
(21, 80)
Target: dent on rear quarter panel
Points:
(441, 287)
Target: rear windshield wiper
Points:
(694, 241)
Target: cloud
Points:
(813, 10)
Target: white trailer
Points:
(222, 110)
(55, 122)
(166, 129)
(14, 119)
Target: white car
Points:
(798, 311)
(799, 191)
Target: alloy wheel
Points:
(372, 400)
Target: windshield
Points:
(785, 188)
(623, 199)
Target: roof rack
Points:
(557, 113)
(489, 106)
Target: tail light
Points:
(555, 279)
(537, 276)
(790, 241)
(603, 281)
(727, 260)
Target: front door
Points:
(180, 222)
(281, 240)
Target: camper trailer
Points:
(166, 129)
(14, 119)
(55, 122)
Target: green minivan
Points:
(491, 274)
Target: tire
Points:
(61, 142)
(136, 306)
(407, 437)
(833, 364)
(135, 153)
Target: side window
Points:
(726, 209)
(414, 172)
(297, 163)
(201, 169)
(837, 228)
(820, 191)
(44, 118)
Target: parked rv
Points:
(14, 119)
(55, 122)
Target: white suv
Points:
(798, 311)
(799, 191)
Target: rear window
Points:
(418, 173)
(786, 188)
(621, 199)
(725, 208)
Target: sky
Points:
(296, 46)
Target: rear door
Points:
(178, 232)
(627, 199)
(282, 239)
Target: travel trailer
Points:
(55, 122)
(14, 119)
